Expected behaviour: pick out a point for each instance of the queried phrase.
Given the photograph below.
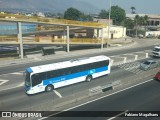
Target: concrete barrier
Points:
(48, 50)
(107, 87)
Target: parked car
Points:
(149, 36)
(157, 76)
(140, 36)
(148, 64)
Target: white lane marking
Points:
(16, 73)
(98, 98)
(125, 60)
(112, 61)
(57, 93)
(22, 84)
(3, 81)
(9, 88)
(147, 55)
(13, 73)
(117, 115)
(132, 54)
(136, 57)
(141, 52)
(132, 67)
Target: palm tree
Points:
(137, 22)
(146, 21)
(141, 21)
(133, 9)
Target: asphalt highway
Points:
(16, 100)
(138, 99)
(21, 67)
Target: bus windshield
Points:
(27, 80)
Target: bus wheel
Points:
(49, 88)
(89, 78)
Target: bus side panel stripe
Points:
(75, 75)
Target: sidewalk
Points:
(115, 44)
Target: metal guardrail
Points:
(8, 39)
(40, 39)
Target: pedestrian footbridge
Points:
(57, 27)
(48, 21)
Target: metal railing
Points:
(34, 19)
(8, 39)
(45, 39)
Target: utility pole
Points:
(109, 23)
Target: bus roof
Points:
(158, 47)
(65, 64)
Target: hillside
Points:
(47, 5)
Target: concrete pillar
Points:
(97, 33)
(19, 29)
(67, 38)
(102, 38)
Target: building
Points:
(115, 31)
(153, 25)
(153, 19)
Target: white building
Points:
(115, 31)
(40, 14)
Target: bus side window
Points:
(37, 79)
(62, 72)
(50, 74)
(69, 70)
(81, 68)
(53, 74)
(76, 69)
(94, 65)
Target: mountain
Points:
(47, 5)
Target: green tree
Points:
(103, 14)
(118, 14)
(72, 14)
(146, 21)
(84, 17)
(133, 10)
(137, 21)
(129, 23)
(140, 21)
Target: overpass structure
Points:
(46, 25)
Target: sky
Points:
(142, 6)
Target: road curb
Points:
(60, 55)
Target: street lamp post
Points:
(109, 22)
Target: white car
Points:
(156, 51)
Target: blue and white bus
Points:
(51, 76)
